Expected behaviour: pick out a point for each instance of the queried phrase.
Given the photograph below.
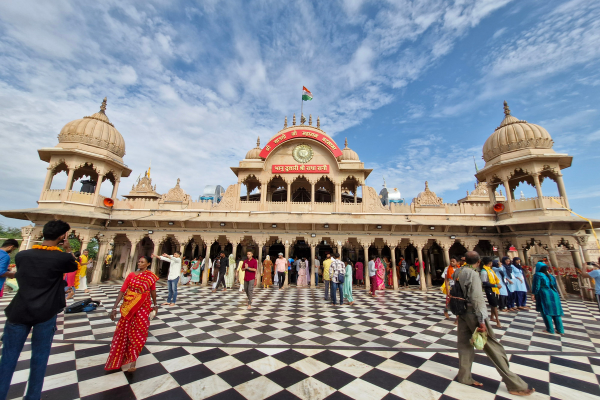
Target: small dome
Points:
(513, 134)
(254, 154)
(95, 130)
(348, 154)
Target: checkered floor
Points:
(292, 344)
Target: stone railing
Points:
(52, 195)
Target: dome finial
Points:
(103, 106)
(285, 122)
(310, 119)
(294, 120)
(318, 122)
(258, 143)
(506, 109)
(346, 142)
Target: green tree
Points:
(7, 232)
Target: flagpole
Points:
(301, 105)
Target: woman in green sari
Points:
(348, 283)
(547, 300)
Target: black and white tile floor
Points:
(293, 345)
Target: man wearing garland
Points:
(40, 298)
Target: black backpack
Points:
(457, 303)
(79, 306)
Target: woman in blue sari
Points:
(547, 300)
(511, 283)
(503, 291)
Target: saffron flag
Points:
(306, 94)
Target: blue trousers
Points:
(557, 323)
(172, 284)
(316, 278)
(510, 299)
(334, 288)
(13, 340)
(520, 299)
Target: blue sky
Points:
(416, 86)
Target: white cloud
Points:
(191, 91)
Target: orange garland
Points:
(49, 248)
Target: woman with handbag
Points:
(132, 329)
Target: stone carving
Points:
(229, 198)
(427, 198)
(371, 198)
(143, 189)
(176, 194)
(26, 231)
(88, 131)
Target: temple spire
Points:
(294, 120)
(310, 119)
(285, 122)
(258, 143)
(506, 109)
(103, 106)
(318, 122)
(346, 144)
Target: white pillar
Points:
(366, 267)
(312, 265)
(394, 271)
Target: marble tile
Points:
(464, 392)
(223, 364)
(353, 367)
(574, 373)
(98, 359)
(310, 389)
(206, 387)
(529, 371)
(58, 380)
(102, 383)
(258, 389)
(396, 368)
(502, 391)
(152, 386)
(309, 366)
(180, 363)
(412, 391)
(359, 389)
(266, 365)
(439, 369)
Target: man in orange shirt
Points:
(449, 282)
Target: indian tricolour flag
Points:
(306, 94)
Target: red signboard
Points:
(300, 169)
(301, 134)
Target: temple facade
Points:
(302, 194)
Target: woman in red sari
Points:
(380, 276)
(132, 329)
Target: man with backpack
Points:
(468, 303)
(34, 308)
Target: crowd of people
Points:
(34, 308)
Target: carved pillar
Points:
(47, 182)
(356, 194)
(132, 259)
(366, 267)
(427, 261)
(260, 263)
(313, 246)
(207, 261)
(394, 272)
(312, 192)
(115, 189)
(103, 248)
(554, 261)
(538, 189)
(289, 192)
(287, 256)
(339, 249)
(154, 266)
(446, 249)
(561, 189)
(508, 191)
(522, 255)
(69, 185)
(492, 193)
(422, 279)
(98, 186)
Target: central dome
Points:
(514, 134)
(95, 130)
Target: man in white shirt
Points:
(173, 277)
(336, 268)
(317, 265)
(372, 273)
